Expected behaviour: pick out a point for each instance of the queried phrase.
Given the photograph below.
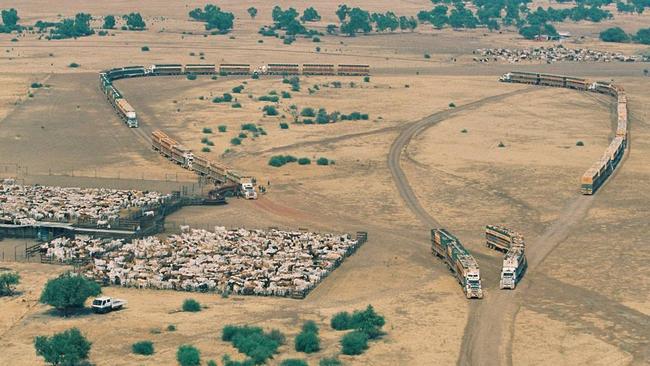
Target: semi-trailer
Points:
(514, 262)
(459, 261)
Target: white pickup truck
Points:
(105, 304)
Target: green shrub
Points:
(236, 105)
(36, 85)
(464, 130)
(66, 348)
(308, 112)
(330, 361)
(293, 362)
(235, 141)
(317, 49)
(501, 144)
(452, 105)
(228, 362)
(142, 348)
(222, 128)
(270, 110)
(68, 292)
(144, 48)
(207, 130)
(188, 355)
(191, 76)
(308, 121)
(354, 343)
(286, 95)
(204, 140)
(268, 98)
(211, 363)
(171, 328)
(8, 281)
(315, 39)
(74, 65)
(209, 143)
(341, 321)
(191, 305)
(310, 326)
(322, 161)
(307, 342)
(366, 79)
(253, 341)
(238, 89)
(155, 331)
(580, 143)
(284, 125)
(242, 135)
(304, 161)
(426, 55)
(249, 127)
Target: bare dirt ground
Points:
(584, 302)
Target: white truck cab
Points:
(106, 304)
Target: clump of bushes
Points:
(8, 281)
(366, 79)
(452, 105)
(253, 341)
(171, 328)
(191, 305)
(70, 346)
(354, 343)
(143, 348)
(238, 89)
(269, 98)
(144, 48)
(308, 112)
(427, 56)
(242, 135)
(207, 130)
(249, 127)
(286, 95)
(464, 130)
(227, 97)
(294, 81)
(270, 110)
(307, 340)
(235, 141)
(293, 362)
(580, 143)
(330, 361)
(304, 161)
(284, 125)
(74, 65)
(191, 76)
(280, 160)
(501, 144)
(366, 321)
(323, 161)
(36, 85)
(188, 355)
(222, 128)
(236, 105)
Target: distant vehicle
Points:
(102, 305)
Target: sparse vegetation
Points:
(144, 348)
(8, 282)
(68, 292)
(191, 305)
(188, 355)
(67, 348)
(253, 341)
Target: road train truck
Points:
(459, 261)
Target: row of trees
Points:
(632, 6)
(215, 18)
(617, 34)
(356, 20)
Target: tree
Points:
(310, 15)
(134, 21)
(69, 348)
(252, 11)
(307, 342)
(72, 28)
(10, 19)
(615, 34)
(109, 22)
(68, 292)
(354, 343)
(643, 36)
(407, 23)
(188, 355)
(342, 12)
(359, 20)
(7, 282)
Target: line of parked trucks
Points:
(598, 173)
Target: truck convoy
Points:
(598, 173)
(209, 170)
(102, 305)
(459, 261)
(514, 262)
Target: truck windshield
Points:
(507, 274)
(474, 284)
(97, 302)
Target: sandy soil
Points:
(581, 306)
